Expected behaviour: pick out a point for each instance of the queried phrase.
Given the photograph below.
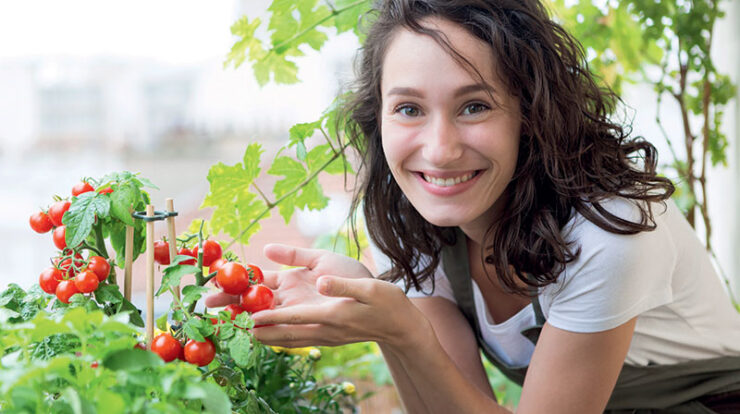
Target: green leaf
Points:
(81, 216)
(212, 396)
(239, 348)
(174, 272)
(192, 328)
(123, 201)
(134, 313)
(132, 360)
(161, 322)
(237, 209)
(192, 294)
(109, 294)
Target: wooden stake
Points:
(172, 236)
(149, 277)
(129, 261)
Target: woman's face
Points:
(450, 147)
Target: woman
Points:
(522, 222)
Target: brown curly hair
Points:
(572, 156)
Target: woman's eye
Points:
(408, 110)
(474, 108)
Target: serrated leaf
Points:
(312, 196)
(81, 216)
(123, 201)
(239, 348)
(174, 272)
(192, 329)
(192, 293)
(109, 294)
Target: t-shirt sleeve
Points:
(615, 278)
(441, 286)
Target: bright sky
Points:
(174, 31)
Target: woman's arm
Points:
(457, 339)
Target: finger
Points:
(221, 299)
(363, 290)
(291, 336)
(294, 315)
(293, 256)
(271, 279)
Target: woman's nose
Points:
(442, 144)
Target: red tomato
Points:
(211, 252)
(57, 210)
(162, 252)
(200, 353)
(106, 190)
(49, 279)
(94, 364)
(187, 252)
(166, 346)
(81, 187)
(59, 237)
(213, 267)
(257, 298)
(86, 281)
(40, 222)
(233, 278)
(255, 274)
(141, 346)
(234, 310)
(65, 290)
(99, 266)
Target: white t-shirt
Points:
(664, 277)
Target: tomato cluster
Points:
(236, 279)
(195, 352)
(212, 252)
(70, 273)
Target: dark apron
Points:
(687, 387)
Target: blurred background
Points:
(89, 86)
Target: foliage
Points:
(666, 44)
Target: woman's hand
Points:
(331, 300)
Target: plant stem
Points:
(100, 242)
(318, 23)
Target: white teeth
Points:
(447, 182)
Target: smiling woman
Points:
(522, 222)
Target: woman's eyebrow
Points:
(463, 90)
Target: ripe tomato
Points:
(162, 252)
(40, 222)
(187, 252)
(99, 266)
(166, 346)
(213, 267)
(65, 290)
(211, 252)
(81, 187)
(57, 210)
(233, 278)
(49, 279)
(86, 281)
(106, 190)
(257, 298)
(59, 237)
(234, 310)
(200, 353)
(255, 274)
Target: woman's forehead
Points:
(415, 57)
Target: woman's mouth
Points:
(449, 181)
